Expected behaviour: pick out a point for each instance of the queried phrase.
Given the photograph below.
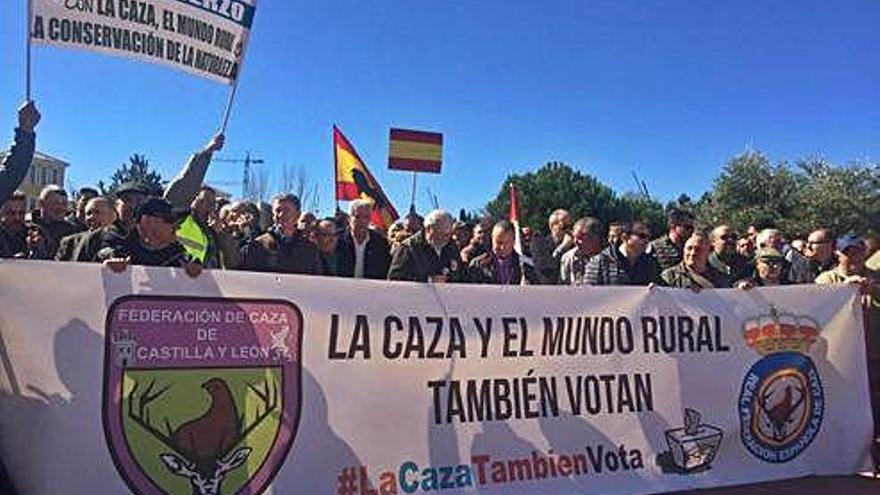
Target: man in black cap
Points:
(152, 242)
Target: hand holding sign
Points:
(216, 143)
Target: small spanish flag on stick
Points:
(354, 181)
(415, 151)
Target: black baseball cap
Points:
(132, 187)
(157, 207)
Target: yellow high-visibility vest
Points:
(193, 239)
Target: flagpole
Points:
(228, 111)
(27, 32)
(335, 172)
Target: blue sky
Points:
(670, 89)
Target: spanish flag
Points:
(354, 181)
(415, 151)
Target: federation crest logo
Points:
(201, 396)
(782, 402)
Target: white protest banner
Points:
(202, 37)
(150, 382)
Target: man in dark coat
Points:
(53, 216)
(501, 265)
(724, 257)
(626, 263)
(362, 252)
(326, 234)
(13, 230)
(283, 249)
(97, 214)
(547, 250)
(429, 255)
(129, 197)
(669, 249)
(819, 257)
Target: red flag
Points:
(514, 206)
(514, 219)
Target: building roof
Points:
(41, 157)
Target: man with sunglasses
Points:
(625, 263)
(669, 249)
(724, 256)
(818, 257)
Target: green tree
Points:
(136, 170)
(843, 199)
(752, 191)
(557, 185)
(796, 199)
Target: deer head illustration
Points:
(204, 449)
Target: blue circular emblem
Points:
(781, 405)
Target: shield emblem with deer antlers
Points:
(201, 396)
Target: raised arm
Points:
(183, 188)
(15, 166)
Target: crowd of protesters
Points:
(189, 227)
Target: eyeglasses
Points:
(727, 237)
(812, 243)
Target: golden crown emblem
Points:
(780, 332)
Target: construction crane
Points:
(246, 174)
